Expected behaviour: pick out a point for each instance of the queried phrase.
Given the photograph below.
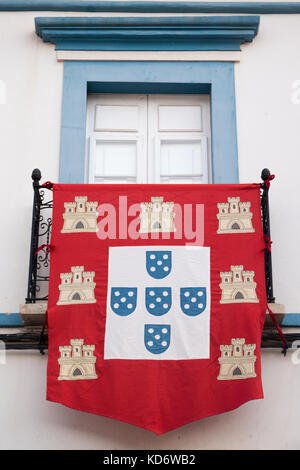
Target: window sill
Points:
(33, 314)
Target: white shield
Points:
(125, 334)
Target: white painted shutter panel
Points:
(181, 160)
(148, 139)
(117, 125)
(178, 138)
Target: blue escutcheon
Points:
(158, 263)
(158, 300)
(123, 300)
(193, 300)
(157, 338)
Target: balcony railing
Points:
(39, 264)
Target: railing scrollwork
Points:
(39, 263)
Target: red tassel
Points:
(273, 318)
(47, 246)
(267, 182)
(47, 185)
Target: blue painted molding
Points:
(152, 6)
(10, 320)
(217, 78)
(291, 319)
(158, 33)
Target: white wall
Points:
(267, 124)
(268, 135)
(30, 133)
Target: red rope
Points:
(267, 181)
(47, 246)
(268, 243)
(273, 318)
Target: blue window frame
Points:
(215, 78)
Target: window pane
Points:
(128, 180)
(181, 180)
(180, 118)
(116, 118)
(181, 158)
(115, 158)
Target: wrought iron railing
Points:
(39, 264)
(265, 215)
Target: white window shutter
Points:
(148, 139)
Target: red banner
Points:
(156, 301)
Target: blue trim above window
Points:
(149, 77)
(205, 33)
(152, 6)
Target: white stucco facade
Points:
(268, 116)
